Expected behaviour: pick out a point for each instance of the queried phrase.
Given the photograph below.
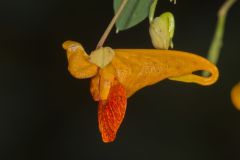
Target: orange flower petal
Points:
(111, 112)
(78, 64)
(102, 82)
(235, 96)
(94, 87)
(138, 68)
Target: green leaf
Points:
(133, 13)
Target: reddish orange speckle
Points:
(111, 112)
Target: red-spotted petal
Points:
(111, 112)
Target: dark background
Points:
(45, 114)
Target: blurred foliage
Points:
(217, 42)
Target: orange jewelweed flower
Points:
(235, 95)
(116, 74)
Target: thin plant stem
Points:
(111, 24)
(217, 42)
(152, 10)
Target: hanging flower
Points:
(116, 74)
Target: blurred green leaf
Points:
(134, 12)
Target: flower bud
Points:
(162, 30)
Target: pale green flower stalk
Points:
(217, 42)
(111, 24)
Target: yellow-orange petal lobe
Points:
(102, 82)
(78, 63)
(111, 112)
(235, 96)
(138, 68)
(94, 87)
